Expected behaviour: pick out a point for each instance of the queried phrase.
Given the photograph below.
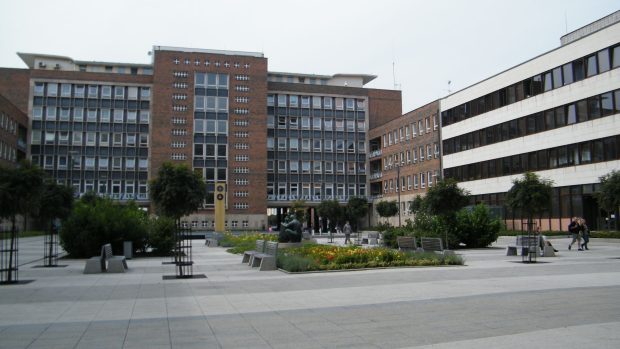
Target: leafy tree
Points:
(20, 189)
(161, 235)
(299, 209)
(444, 200)
(609, 195)
(55, 203)
(417, 205)
(330, 209)
(477, 227)
(177, 191)
(530, 194)
(387, 209)
(357, 208)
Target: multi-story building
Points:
(90, 123)
(13, 133)
(273, 138)
(317, 136)
(557, 115)
(405, 159)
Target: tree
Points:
(609, 195)
(298, 207)
(444, 200)
(417, 205)
(477, 227)
(387, 209)
(55, 203)
(531, 195)
(20, 189)
(357, 208)
(177, 191)
(330, 209)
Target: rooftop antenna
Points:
(449, 90)
(396, 86)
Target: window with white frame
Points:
(422, 180)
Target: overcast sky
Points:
(429, 42)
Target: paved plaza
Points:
(571, 301)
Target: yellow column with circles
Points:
(220, 206)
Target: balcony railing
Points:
(375, 153)
(376, 175)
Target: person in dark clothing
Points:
(347, 233)
(574, 229)
(585, 233)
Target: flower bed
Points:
(244, 242)
(314, 257)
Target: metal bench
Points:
(373, 238)
(406, 243)
(267, 259)
(106, 261)
(431, 244)
(211, 239)
(524, 243)
(249, 255)
(115, 264)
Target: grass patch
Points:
(27, 234)
(313, 257)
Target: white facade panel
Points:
(566, 176)
(580, 132)
(589, 87)
(564, 54)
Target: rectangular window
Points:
(557, 77)
(603, 61)
(591, 66)
(119, 92)
(567, 70)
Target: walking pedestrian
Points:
(585, 233)
(574, 228)
(347, 233)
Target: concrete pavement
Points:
(494, 302)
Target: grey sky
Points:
(430, 42)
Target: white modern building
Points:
(557, 115)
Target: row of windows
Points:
(62, 162)
(178, 156)
(572, 113)
(8, 124)
(404, 157)
(211, 80)
(317, 113)
(317, 145)
(294, 191)
(590, 65)
(212, 174)
(89, 138)
(599, 150)
(210, 151)
(206, 62)
(294, 166)
(316, 123)
(210, 103)
(211, 126)
(211, 224)
(8, 152)
(402, 134)
(51, 89)
(113, 188)
(410, 182)
(90, 115)
(317, 102)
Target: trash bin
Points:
(128, 249)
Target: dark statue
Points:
(291, 229)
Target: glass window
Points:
(591, 66)
(594, 107)
(79, 91)
(119, 92)
(548, 81)
(567, 69)
(316, 102)
(211, 79)
(579, 70)
(603, 60)
(293, 101)
(132, 92)
(200, 80)
(93, 91)
(557, 77)
(50, 114)
(327, 102)
(572, 114)
(607, 104)
(37, 113)
(52, 89)
(616, 56)
(78, 114)
(582, 111)
(65, 90)
(222, 80)
(106, 91)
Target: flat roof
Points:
(29, 58)
(202, 50)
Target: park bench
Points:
(106, 261)
(406, 243)
(211, 239)
(373, 238)
(267, 259)
(249, 255)
(431, 244)
(525, 243)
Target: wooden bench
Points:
(524, 243)
(249, 255)
(431, 244)
(106, 261)
(406, 243)
(267, 259)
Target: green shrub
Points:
(161, 235)
(95, 222)
(244, 242)
(295, 263)
(477, 227)
(605, 234)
